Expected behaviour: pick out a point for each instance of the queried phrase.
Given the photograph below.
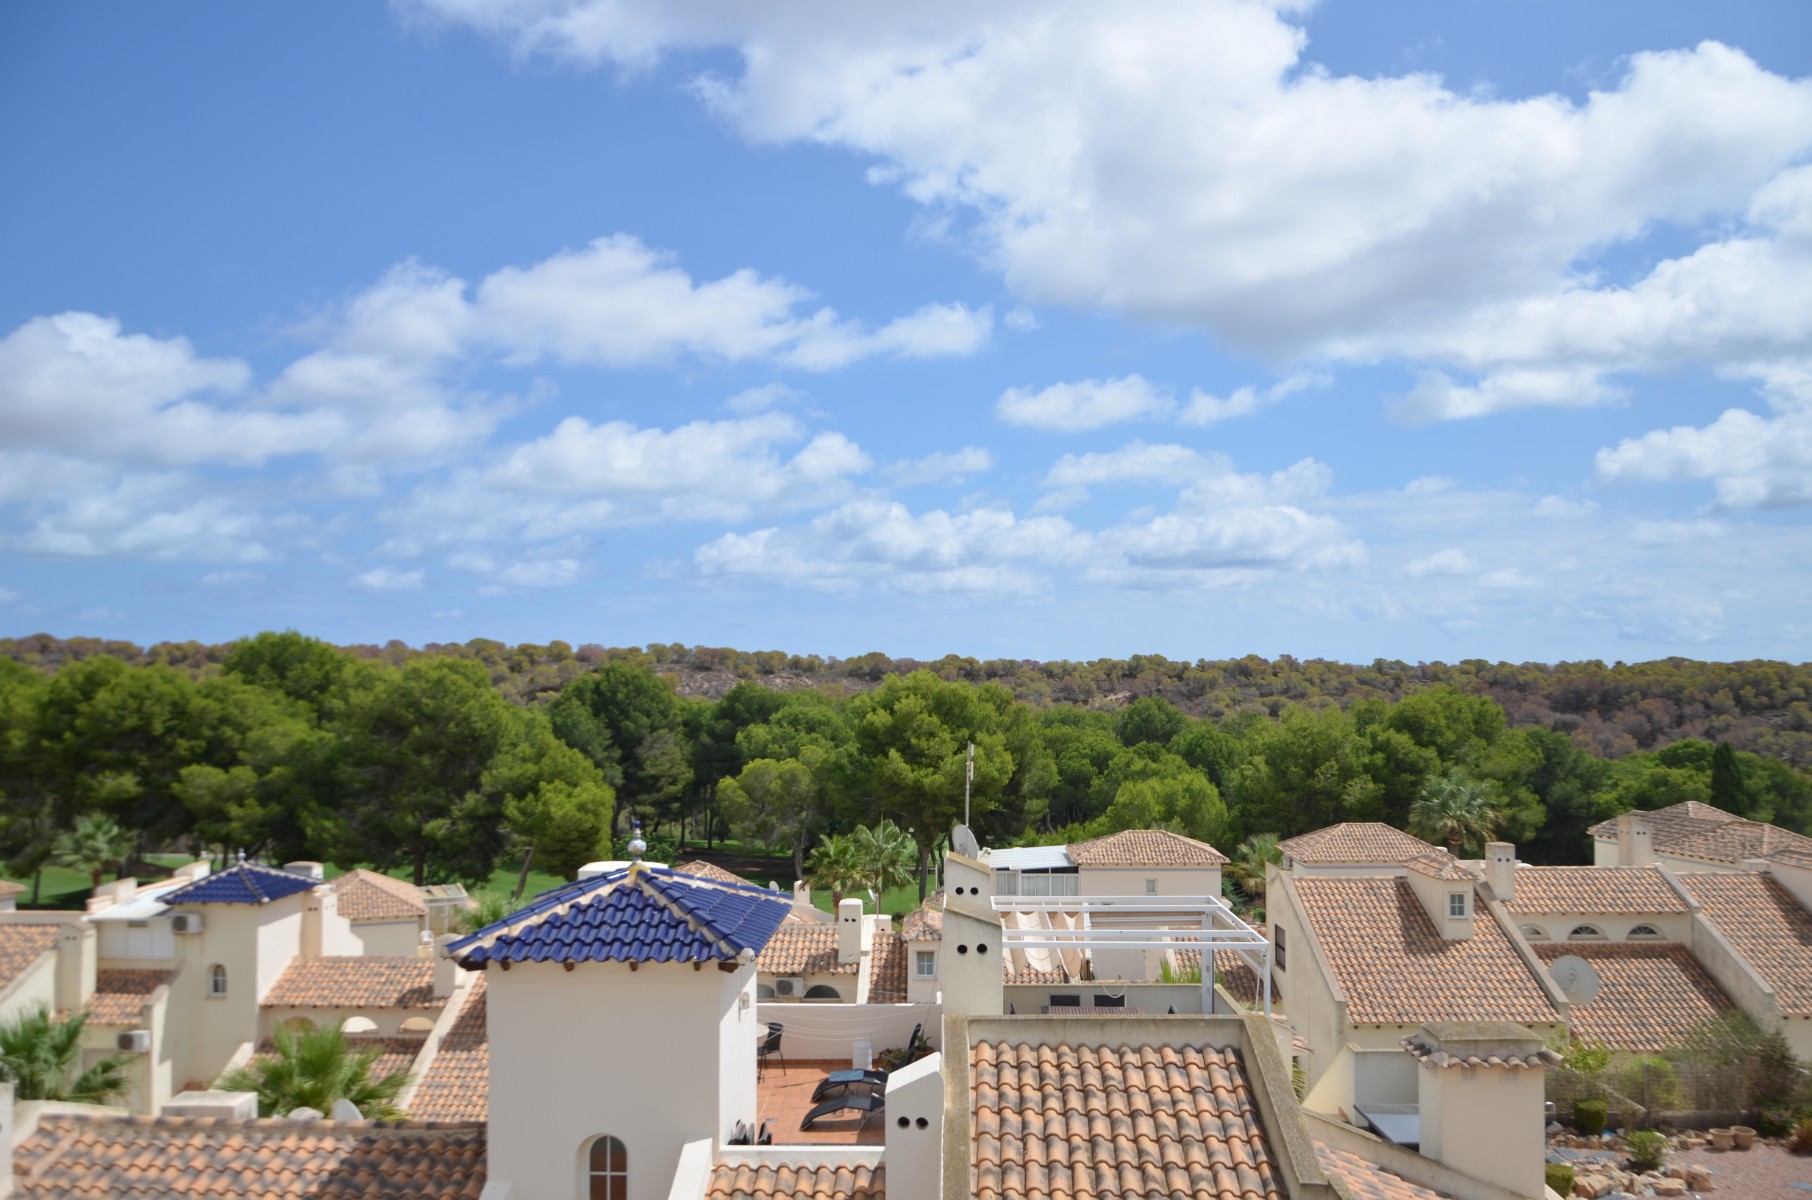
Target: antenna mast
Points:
(968, 778)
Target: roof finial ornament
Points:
(242, 856)
(637, 847)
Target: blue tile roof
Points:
(649, 914)
(245, 883)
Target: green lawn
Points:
(61, 888)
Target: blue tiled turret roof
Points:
(645, 914)
(244, 883)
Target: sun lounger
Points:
(863, 1100)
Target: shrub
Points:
(1648, 1150)
(1774, 1121)
(1589, 1116)
(1802, 1138)
(1649, 1080)
(1560, 1178)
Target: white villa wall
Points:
(970, 959)
(1310, 997)
(339, 938)
(1155, 999)
(922, 989)
(1674, 927)
(1131, 881)
(1486, 1122)
(1434, 893)
(967, 878)
(826, 1031)
(657, 1057)
(915, 1130)
(844, 985)
(256, 944)
(1797, 881)
(382, 939)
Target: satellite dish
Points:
(1576, 978)
(964, 843)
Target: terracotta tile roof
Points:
(1438, 864)
(798, 1181)
(887, 969)
(153, 1158)
(1649, 994)
(1694, 830)
(368, 896)
(356, 982)
(457, 1086)
(1396, 968)
(923, 924)
(1622, 890)
(1026, 975)
(1369, 1181)
(1766, 925)
(1355, 842)
(1145, 848)
(21, 946)
(396, 1052)
(120, 995)
(1419, 1049)
(1085, 1121)
(705, 870)
(803, 950)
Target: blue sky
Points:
(1416, 330)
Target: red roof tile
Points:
(705, 870)
(803, 950)
(1085, 1121)
(21, 946)
(1354, 843)
(798, 1181)
(1621, 890)
(356, 982)
(458, 1083)
(887, 969)
(1396, 968)
(120, 995)
(1145, 848)
(1766, 925)
(154, 1158)
(1649, 994)
(1369, 1181)
(368, 896)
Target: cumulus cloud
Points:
(1205, 408)
(1084, 405)
(1444, 562)
(1133, 462)
(1290, 210)
(390, 579)
(155, 516)
(941, 465)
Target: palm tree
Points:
(96, 843)
(1454, 808)
(43, 1055)
(1250, 858)
(312, 1070)
(889, 855)
(836, 866)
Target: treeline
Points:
(292, 748)
(1762, 707)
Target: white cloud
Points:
(1134, 462)
(1670, 533)
(1084, 405)
(1205, 408)
(872, 542)
(941, 465)
(1437, 398)
(1559, 508)
(154, 516)
(1020, 320)
(1187, 161)
(1444, 562)
(389, 579)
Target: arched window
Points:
(1586, 933)
(822, 991)
(764, 991)
(607, 1170)
(1645, 931)
(217, 980)
(1535, 933)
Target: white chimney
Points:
(306, 869)
(231, 1106)
(1479, 1091)
(915, 1132)
(1500, 869)
(9, 1134)
(850, 930)
(1635, 847)
(802, 893)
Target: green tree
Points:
(43, 1056)
(554, 800)
(1457, 809)
(629, 723)
(1729, 791)
(313, 1069)
(1149, 719)
(836, 866)
(887, 854)
(1305, 772)
(308, 671)
(774, 803)
(1246, 866)
(95, 843)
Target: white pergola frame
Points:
(1203, 923)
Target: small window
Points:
(1277, 949)
(822, 991)
(1456, 904)
(1645, 931)
(1535, 933)
(927, 964)
(607, 1170)
(217, 980)
(1151, 887)
(1586, 933)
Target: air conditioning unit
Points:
(792, 987)
(186, 923)
(135, 1041)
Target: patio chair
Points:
(842, 1081)
(770, 1045)
(766, 1136)
(866, 1101)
